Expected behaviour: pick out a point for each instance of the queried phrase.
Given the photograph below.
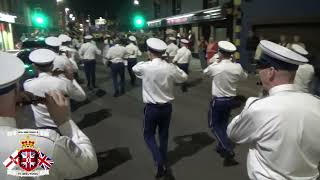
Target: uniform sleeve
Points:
(243, 128)
(190, 57)
(177, 56)
(138, 69)
(98, 51)
(75, 91)
(211, 70)
(108, 56)
(244, 75)
(179, 75)
(73, 153)
(138, 52)
(81, 52)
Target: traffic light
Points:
(138, 21)
(40, 20)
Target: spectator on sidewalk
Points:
(212, 49)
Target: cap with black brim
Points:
(8, 77)
(280, 57)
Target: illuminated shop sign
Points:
(7, 18)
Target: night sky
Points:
(97, 8)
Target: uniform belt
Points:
(222, 98)
(158, 104)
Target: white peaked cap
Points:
(281, 53)
(11, 69)
(156, 44)
(42, 56)
(227, 46)
(53, 41)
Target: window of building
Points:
(156, 5)
(176, 7)
(210, 3)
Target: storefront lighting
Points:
(7, 18)
(215, 14)
(212, 11)
(180, 17)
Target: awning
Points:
(212, 14)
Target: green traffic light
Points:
(138, 21)
(40, 20)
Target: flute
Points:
(26, 98)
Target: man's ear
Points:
(272, 73)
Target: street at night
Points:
(159, 90)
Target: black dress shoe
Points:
(116, 94)
(161, 172)
(220, 151)
(230, 162)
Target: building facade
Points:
(272, 18)
(16, 19)
(205, 18)
(268, 19)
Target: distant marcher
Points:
(172, 48)
(226, 76)
(133, 52)
(88, 53)
(116, 61)
(183, 59)
(305, 72)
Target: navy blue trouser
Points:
(132, 62)
(219, 113)
(157, 116)
(117, 69)
(90, 71)
(185, 68)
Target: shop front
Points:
(213, 22)
(6, 35)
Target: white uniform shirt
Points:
(117, 54)
(73, 57)
(73, 154)
(304, 77)
(225, 77)
(88, 51)
(158, 79)
(172, 49)
(133, 51)
(283, 132)
(183, 56)
(75, 43)
(45, 83)
(214, 59)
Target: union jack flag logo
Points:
(44, 161)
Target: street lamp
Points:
(66, 10)
(136, 2)
(58, 1)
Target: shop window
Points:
(210, 3)
(156, 5)
(176, 7)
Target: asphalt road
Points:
(115, 127)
